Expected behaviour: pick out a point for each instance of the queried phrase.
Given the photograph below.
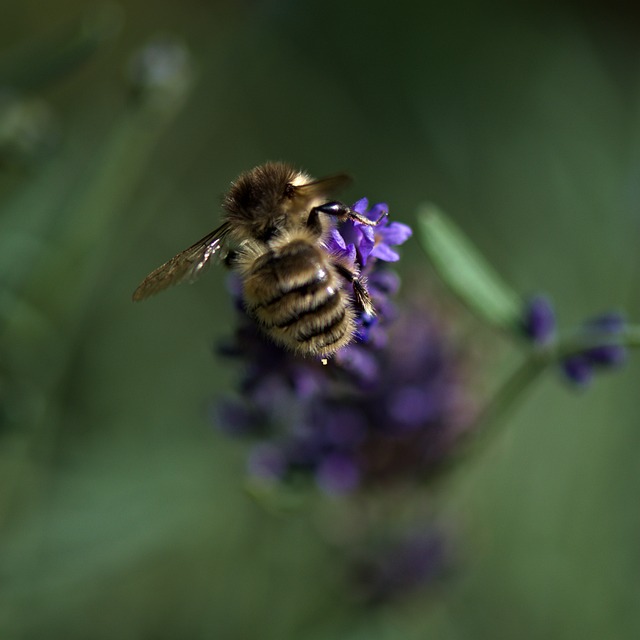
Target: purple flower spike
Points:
(389, 405)
(539, 324)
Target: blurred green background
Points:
(122, 510)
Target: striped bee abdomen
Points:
(295, 294)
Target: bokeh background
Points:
(123, 512)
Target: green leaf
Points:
(466, 271)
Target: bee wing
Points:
(186, 266)
(324, 186)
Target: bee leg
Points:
(363, 299)
(342, 212)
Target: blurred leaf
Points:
(466, 271)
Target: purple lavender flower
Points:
(388, 406)
(539, 324)
(386, 410)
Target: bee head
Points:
(260, 201)
(274, 197)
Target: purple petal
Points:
(366, 245)
(336, 241)
(350, 231)
(384, 252)
(377, 211)
(368, 234)
(395, 233)
(361, 206)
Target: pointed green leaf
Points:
(466, 271)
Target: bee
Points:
(274, 235)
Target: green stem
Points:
(580, 340)
(512, 390)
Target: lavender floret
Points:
(578, 370)
(540, 320)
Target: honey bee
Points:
(274, 235)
